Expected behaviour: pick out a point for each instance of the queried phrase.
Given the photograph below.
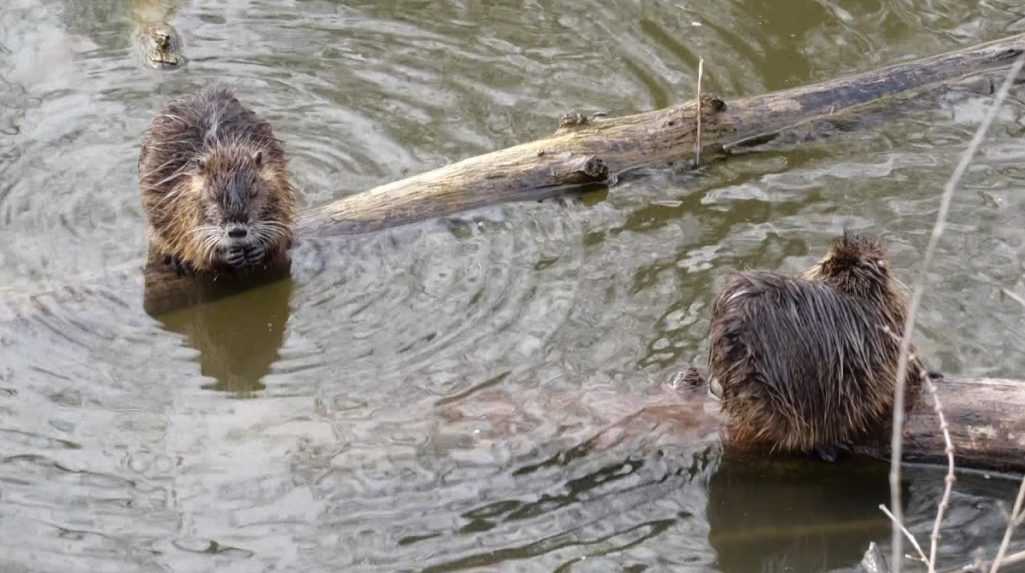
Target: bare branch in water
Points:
(1013, 520)
(914, 543)
(697, 136)
(1014, 296)
(1017, 515)
(896, 444)
(948, 486)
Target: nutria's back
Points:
(214, 183)
(810, 363)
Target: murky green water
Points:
(456, 394)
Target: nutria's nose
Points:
(237, 233)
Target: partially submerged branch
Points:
(597, 150)
(984, 416)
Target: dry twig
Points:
(900, 527)
(1016, 516)
(1014, 296)
(896, 444)
(1013, 520)
(948, 486)
(697, 136)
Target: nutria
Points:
(809, 363)
(156, 39)
(159, 46)
(215, 186)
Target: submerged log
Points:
(984, 417)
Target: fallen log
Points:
(984, 416)
(987, 427)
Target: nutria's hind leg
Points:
(827, 453)
(832, 452)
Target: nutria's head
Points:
(243, 207)
(160, 46)
(857, 265)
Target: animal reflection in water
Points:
(238, 337)
(763, 514)
(794, 515)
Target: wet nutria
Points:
(215, 186)
(809, 363)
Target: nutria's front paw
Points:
(255, 255)
(181, 267)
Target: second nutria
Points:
(809, 363)
(156, 39)
(215, 188)
(159, 46)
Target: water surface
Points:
(460, 394)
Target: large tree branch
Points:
(585, 150)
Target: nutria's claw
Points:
(715, 389)
(255, 254)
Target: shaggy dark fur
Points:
(809, 364)
(214, 183)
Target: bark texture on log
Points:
(986, 419)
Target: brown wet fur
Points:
(198, 148)
(809, 363)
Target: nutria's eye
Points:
(881, 263)
(201, 164)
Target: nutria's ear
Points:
(258, 157)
